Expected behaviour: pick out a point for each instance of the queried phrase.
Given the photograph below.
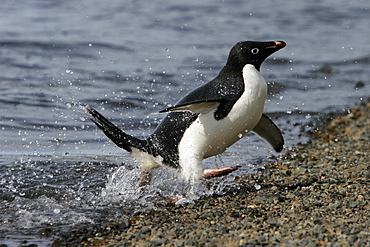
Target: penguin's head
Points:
(252, 52)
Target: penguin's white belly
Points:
(207, 136)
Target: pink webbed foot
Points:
(211, 173)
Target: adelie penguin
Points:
(208, 120)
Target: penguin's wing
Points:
(207, 98)
(267, 130)
(222, 106)
(194, 107)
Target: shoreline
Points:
(316, 194)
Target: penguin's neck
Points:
(254, 83)
(252, 102)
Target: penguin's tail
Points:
(120, 138)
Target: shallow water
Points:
(130, 60)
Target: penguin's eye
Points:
(255, 50)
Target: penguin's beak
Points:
(277, 45)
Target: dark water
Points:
(129, 59)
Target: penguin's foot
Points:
(211, 173)
(145, 178)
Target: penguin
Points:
(207, 120)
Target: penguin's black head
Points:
(252, 52)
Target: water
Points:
(130, 60)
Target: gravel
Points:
(315, 195)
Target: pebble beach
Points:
(316, 194)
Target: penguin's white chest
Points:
(207, 136)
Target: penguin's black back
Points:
(165, 139)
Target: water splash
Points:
(123, 188)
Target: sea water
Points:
(129, 60)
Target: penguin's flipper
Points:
(210, 96)
(120, 138)
(194, 107)
(267, 130)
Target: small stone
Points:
(46, 232)
(359, 84)
(158, 242)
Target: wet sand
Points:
(315, 195)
